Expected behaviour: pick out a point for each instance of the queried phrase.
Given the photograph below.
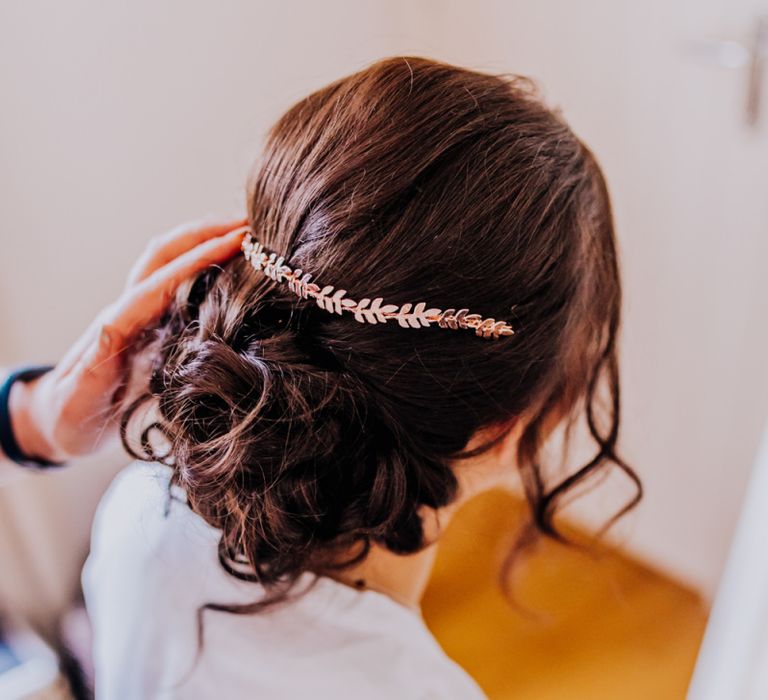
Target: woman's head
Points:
(297, 431)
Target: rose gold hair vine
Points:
(365, 310)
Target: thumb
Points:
(106, 346)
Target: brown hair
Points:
(296, 431)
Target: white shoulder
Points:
(143, 525)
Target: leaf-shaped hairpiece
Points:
(366, 310)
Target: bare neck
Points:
(403, 577)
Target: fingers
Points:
(147, 300)
(98, 335)
(76, 397)
(176, 242)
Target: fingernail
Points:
(105, 339)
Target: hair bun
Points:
(276, 444)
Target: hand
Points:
(65, 412)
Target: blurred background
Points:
(122, 119)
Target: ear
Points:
(507, 474)
(494, 468)
(506, 450)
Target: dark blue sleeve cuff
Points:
(8, 442)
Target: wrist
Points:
(26, 424)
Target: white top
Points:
(149, 572)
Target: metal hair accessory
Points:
(366, 310)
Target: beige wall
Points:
(121, 119)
